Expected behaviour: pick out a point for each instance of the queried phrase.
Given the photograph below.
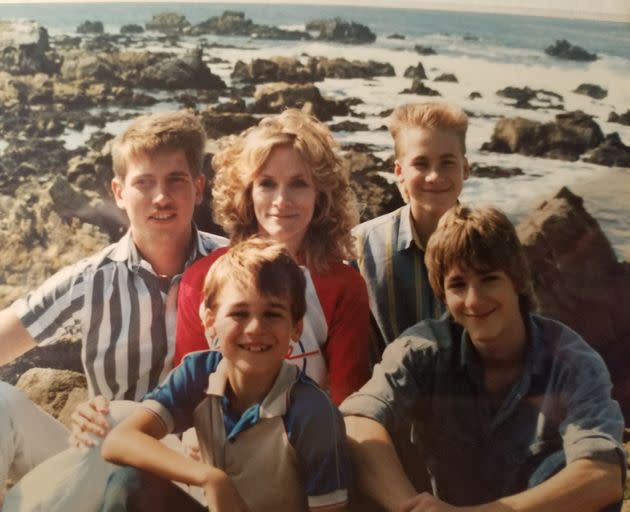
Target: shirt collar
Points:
(276, 401)
(406, 231)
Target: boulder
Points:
(416, 72)
(234, 23)
(424, 50)
(525, 98)
(341, 31)
(567, 138)
(275, 97)
(624, 118)
(66, 42)
(85, 66)
(219, 124)
(57, 392)
(611, 152)
(276, 69)
(562, 49)
(579, 281)
(168, 23)
(446, 77)
(594, 91)
(90, 27)
(396, 36)
(494, 171)
(475, 95)
(24, 48)
(418, 87)
(342, 68)
(131, 28)
(348, 126)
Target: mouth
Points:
(163, 216)
(254, 347)
(480, 316)
(436, 190)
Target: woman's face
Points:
(284, 196)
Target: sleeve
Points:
(317, 434)
(50, 308)
(174, 400)
(399, 384)
(347, 349)
(593, 425)
(189, 331)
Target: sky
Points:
(600, 9)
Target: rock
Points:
(57, 392)
(611, 152)
(424, 50)
(232, 105)
(416, 72)
(494, 171)
(234, 23)
(168, 23)
(275, 97)
(88, 67)
(396, 36)
(524, 97)
(592, 90)
(104, 43)
(474, 95)
(340, 31)
(567, 138)
(579, 281)
(24, 48)
(418, 87)
(624, 118)
(218, 124)
(562, 49)
(446, 77)
(67, 42)
(348, 126)
(90, 27)
(131, 28)
(342, 68)
(187, 72)
(276, 69)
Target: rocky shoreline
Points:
(55, 205)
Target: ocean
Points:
(486, 52)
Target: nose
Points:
(473, 297)
(432, 175)
(254, 325)
(282, 196)
(162, 195)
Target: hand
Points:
(191, 444)
(89, 418)
(426, 502)
(221, 494)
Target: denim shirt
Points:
(477, 451)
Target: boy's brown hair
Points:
(265, 263)
(165, 131)
(430, 114)
(482, 240)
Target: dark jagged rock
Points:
(234, 23)
(348, 126)
(446, 77)
(341, 31)
(424, 50)
(416, 72)
(168, 23)
(276, 69)
(418, 87)
(88, 67)
(273, 98)
(232, 105)
(474, 95)
(624, 118)
(90, 27)
(524, 97)
(342, 68)
(66, 355)
(567, 138)
(131, 28)
(579, 281)
(218, 124)
(494, 171)
(396, 36)
(66, 42)
(592, 90)
(104, 43)
(611, 152)
(24, 48)
(562, 49)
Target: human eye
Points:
(491, 277)
(448, 163)
(455, 284)
(142, 182)
(420, 164)
(266, 183)
(238, 314)
(300, 182)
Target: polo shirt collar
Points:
(405, 230)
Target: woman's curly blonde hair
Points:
(328, 238)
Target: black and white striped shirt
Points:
(125, 311)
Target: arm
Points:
(14, 338)
(379, 472)
(135, 443)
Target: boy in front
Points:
(431, 166)
(511, 411)
(270, 438)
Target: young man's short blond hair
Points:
(482, 240)
(430, 114)
(266, 264)
(328, 238)
(165, 131)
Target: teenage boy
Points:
(123, 297)
(270, 438)
(430, 166)
(511, 411)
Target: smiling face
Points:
(283, 195)
(159, 195)
(487, 306)
(253, 330)
(431, 169)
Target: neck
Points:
(248, 389)
(167, 257)
(425, 222)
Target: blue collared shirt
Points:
(477, 449)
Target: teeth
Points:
(255, 348)
(165, 216)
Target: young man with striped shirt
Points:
(123, 297)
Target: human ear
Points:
(117, 188)
(466, 169)
(199, 183)
(296, 333)
(400, 181)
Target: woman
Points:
(283, 179)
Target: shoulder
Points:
(310, 406)
(196, 273)
(210, 242)
(379, 225)
(339, 275)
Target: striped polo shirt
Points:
(391, 260)
(126, 315)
